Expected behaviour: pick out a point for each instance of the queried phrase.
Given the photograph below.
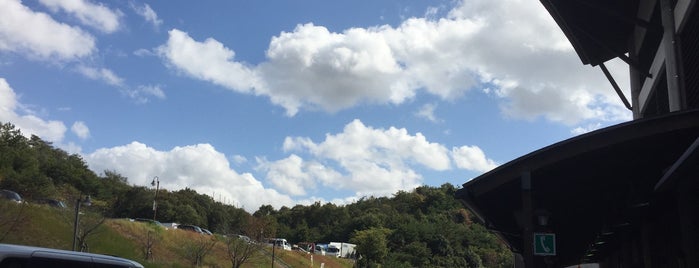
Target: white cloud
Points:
(37, 35)
(142, 52)
(80, 129)
(585, 129)
(472, 158)
(97, 16)
(314, 68)
(101, 74)
(239, 159)
(147, 13)
(140, 94)
(427, 112)
(199, 167)
(209, 61)
(361, 160)
(142, 91)
(29, 124)
(295, 176)
(373, 161)
(511, 47)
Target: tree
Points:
(195, 247)
(113, 186)
(87, 226)
(240, 251)
(148, 236)
(371, 246)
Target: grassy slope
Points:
(48, 227)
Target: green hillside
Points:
(426, 227)
(40, 225)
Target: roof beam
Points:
(618, 54)
(615, 86)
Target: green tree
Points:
(371, 245)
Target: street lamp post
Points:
(274, 245)
(156, 183)
(86, 201)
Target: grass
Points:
(44, 226)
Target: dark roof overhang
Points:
(599, 30)
(586, 183)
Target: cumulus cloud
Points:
(361, 159)
(80, 129)
(28, 123)
(472, 158)
(295, 176)
(94, 15)
(147, 13)
(37, 35)
(199, 167)
(208, 60)
(471, 47)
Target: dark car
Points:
(191, 228)
(10, 195)
(153, 222)
(149, 221)
(53, 202)
(27, 257)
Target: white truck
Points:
(344, 250)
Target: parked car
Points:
(149, 221)
(319, 250)
(170, 225)
(29, 257)
(52, 202)
(191, 228)
(245, 238)
(279, 242)
(332, 251)
(10, 195)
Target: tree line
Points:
(425, 227)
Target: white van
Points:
(34, 257)
(279, 242)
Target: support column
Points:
(635, 77)
(527, 216)
(673, 61)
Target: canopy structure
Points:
(599, 30)
(622, 196)
(597, 190)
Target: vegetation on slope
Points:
(426, 227)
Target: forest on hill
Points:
(426, 227)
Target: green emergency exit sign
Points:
(544, 244)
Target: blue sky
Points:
(292, 102)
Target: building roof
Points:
(602, 179)
(599, 30)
